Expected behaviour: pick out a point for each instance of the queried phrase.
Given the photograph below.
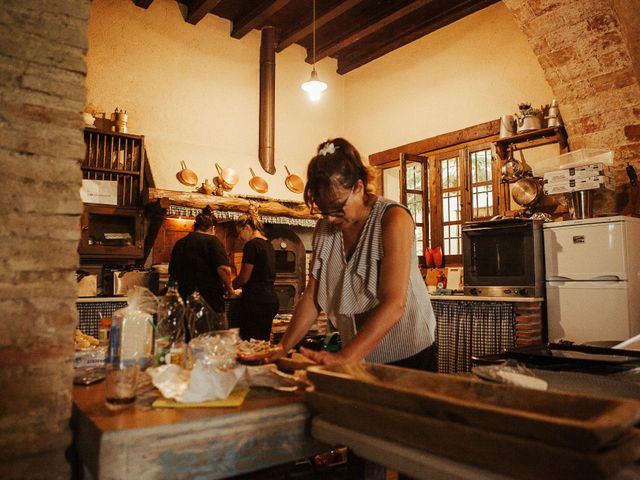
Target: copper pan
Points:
(258, 184)
(187, 177)
(293, 182)
(227, 177)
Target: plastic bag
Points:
(510, 372)
(133, 326)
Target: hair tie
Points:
(329, 148)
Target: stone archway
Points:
(590, 54)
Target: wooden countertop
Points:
(270, 428)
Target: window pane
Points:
(449, 175)
(451, 206)
(451, 239)
(480, 166)
(481, 189)
(414, 203)
(414, 176)
(482, 201)
(419, 240)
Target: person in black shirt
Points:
(199, 262)
(259, 304)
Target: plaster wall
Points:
(193, 91)
(470, 72)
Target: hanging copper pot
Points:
(187, 177)
(258, 184)
(227, 177)
(293, 182)
(527, 191)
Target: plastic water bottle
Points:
(170, 330)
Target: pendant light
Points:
(313, 86)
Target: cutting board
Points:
(559, 419)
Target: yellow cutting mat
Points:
(235, 399)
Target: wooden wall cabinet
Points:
(114, 232)
(116, 157)
(111, 232)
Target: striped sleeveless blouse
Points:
(347, 290)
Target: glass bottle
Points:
(169, 345)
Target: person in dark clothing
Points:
(259, 304)
(199, 262)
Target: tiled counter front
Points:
(475, 326)
(92, 309)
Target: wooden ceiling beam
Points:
(366, 53)
(331, 47)
(305, 29)
(256, 17)
(142, 3)
(196, 11)
(487, 130)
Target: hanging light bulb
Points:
(313, 86)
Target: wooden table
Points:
(142, 442)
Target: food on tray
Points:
(84, 341)
(254, 351)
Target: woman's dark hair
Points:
(336, 162)
(252, 219)
(205, 220)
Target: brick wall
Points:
(42, 49)
(589, 55)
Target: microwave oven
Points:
(116, 281)
(503, 258)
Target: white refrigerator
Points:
(592, 272)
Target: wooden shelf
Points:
(117, 157)
(533, 138)
(267, 206)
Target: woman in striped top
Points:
(364, 271)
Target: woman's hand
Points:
(323, 358)
(276, 353)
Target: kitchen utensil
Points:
(438, 257)
(507, 126)
(207, 188)
(227, 177)
(512, 169)
(293, 182)
(119, 120)
(428, 258)
(527, 123)
(258, 184)
(526, 191)
(187, 177)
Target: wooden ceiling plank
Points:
(347, 63)
(197, 10)
(256, 17)
(306, 29)
(333, 47)
(143, 3)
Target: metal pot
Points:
(227, 178)
(258, 184)
(512, 169)
(293, 182)
(187, 177)
(527, 191)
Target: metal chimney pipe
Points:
(267, 99)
